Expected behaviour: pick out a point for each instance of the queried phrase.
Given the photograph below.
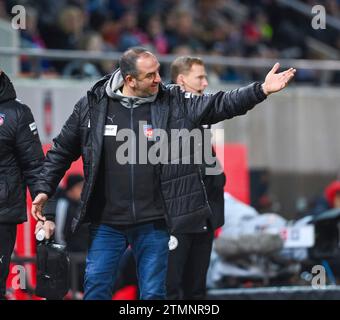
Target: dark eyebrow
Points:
(150, 73)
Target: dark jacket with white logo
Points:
(183, 192)
(21, 154)
(126, 193)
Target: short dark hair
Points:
(183, 64)
(127, 62)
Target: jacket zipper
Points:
(132, 165)
(90, 97)
(203, 185)
(206, 195)
(85, 198)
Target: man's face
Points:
(147, 82)
(195, 81)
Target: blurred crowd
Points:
(242, 28)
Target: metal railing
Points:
(239, 62)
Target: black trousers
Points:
(8, 234)
(188, 266)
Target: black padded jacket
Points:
(182, 187)
(21, 154)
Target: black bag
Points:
(53, 265)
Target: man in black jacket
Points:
(189, 260)
(127, 197)
(21, 159)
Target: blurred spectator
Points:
(209, 15)
(156, 35)
(241, 28)
(131, 35)
(110, 31)
(332, 194)
(256, 31)
(72, 25)
(66, 33)
(48, 10)
(4, 10)
(66, 209)
(31, 38)
(332, 8)
(93, 42)
(185, 31)
(329, 200)
(119, 7)
(67, 206)
(170, 28)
